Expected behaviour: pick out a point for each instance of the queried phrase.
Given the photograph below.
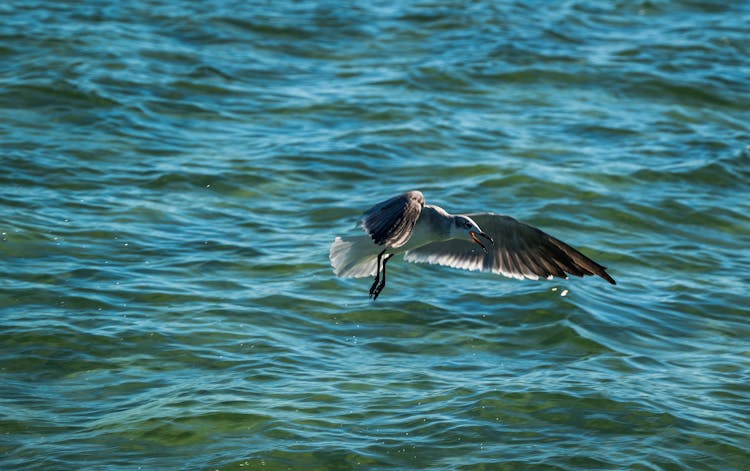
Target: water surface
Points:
(172, 174)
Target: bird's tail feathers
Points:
(354, 257)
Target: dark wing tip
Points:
(582, 264)
(606, 276)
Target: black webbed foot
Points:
(375, 286)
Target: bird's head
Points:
(464, 227)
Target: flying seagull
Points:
(427, 233)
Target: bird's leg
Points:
(377, 277)
(380, 287)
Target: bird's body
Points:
(428, 234)
(355, 257)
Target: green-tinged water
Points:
(173, 173)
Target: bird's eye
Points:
(467, 225)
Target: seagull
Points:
(426, 233)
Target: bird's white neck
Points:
(433, 225)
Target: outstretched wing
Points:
(391, 222)
(520, 251)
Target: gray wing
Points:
(520, 251)
(391, 222)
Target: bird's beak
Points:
(481, 234)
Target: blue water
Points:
(173, 173)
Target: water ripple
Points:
(173, 174)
